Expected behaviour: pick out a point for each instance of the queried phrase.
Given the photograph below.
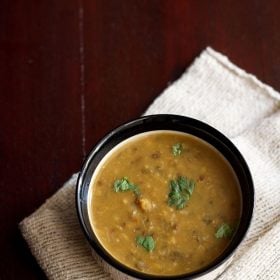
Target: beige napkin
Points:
(221, 94)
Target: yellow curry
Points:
(164, 203)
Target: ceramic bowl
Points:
(175, 123)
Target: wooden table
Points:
(70, 71)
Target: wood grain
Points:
(70, 71)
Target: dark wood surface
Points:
(72, 70)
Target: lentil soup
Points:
(164, 203)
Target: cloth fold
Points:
(217, 92)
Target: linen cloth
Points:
(215, 91)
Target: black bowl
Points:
(175, 123)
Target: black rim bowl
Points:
(176, 123)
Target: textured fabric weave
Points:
(217, 92)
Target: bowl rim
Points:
(230, 249)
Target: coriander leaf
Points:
(146, 242)
(140, 239)
(122, 185)
(182, 181)
(177, 149)
(224, 231)
(180, 192)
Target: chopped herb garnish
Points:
(224, 231)
(180, 192)
(146, 242)
(177, 149)
(123, 185)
